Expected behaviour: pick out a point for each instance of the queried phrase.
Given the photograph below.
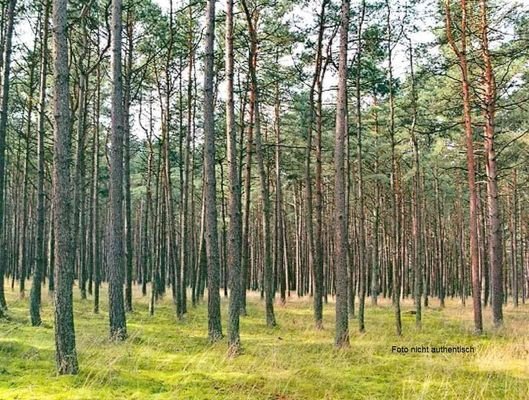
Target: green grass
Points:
(164, 358)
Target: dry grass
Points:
(164, 358)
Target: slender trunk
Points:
(265, 197)
(417, 217)
(494, 217)
(245, 254)
(79, 173)
(278, 253)
(126, 163)
(234, 200)
(187, 248)
(95, 193)
(514, 240)
(362, 261)
(3, 133)
(147, 254)
(23, 243)
(116, 256)
(340, 219)
(65, 356)
(317, 243)
(40, 261)
(461, 54)
(376, 258)
(214, 324)
(395, 259)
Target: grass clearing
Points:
(164, 358)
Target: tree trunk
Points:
(234, 200)
(318, 241)
(395, 258)
(494, 217)
(265, 196)
(417, 217)
(126, 163)
(278, 253)
(245, 251)
(375, 272)
(362, 259)
(188, 223)
(95, 196)
(461, 54)
(23, 243)
(65, 356)
(40, 261)
(340, 220)
(3, 133)
(116, 256)
(212, 250)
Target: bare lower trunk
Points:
(265, 197)
(460, 52)
(494, 217)
(417, 217)
(340, 219)
(395, 221)
(65, 356)
(210, 197)
(3, 133)
(234, 202)
(362, 257)
(116, 256)
(40, 261)
(126, 164)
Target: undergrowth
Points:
(167, 358)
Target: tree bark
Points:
(461, 54)
(340, 220)
(212, 250)
(116, 256)
(126, 162)
(265, 195)
(40, 262)
(395, 258)
(3, 133)
(494, 213)
(278, 253)
(318, 241)
(362, 257)
(65, 356)
(95, 196)
(417, 217)
(234, 200)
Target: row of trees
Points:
(222, 157)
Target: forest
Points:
(264, 199)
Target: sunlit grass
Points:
(164, 358)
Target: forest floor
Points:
(164, 358)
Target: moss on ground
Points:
(165, 358)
